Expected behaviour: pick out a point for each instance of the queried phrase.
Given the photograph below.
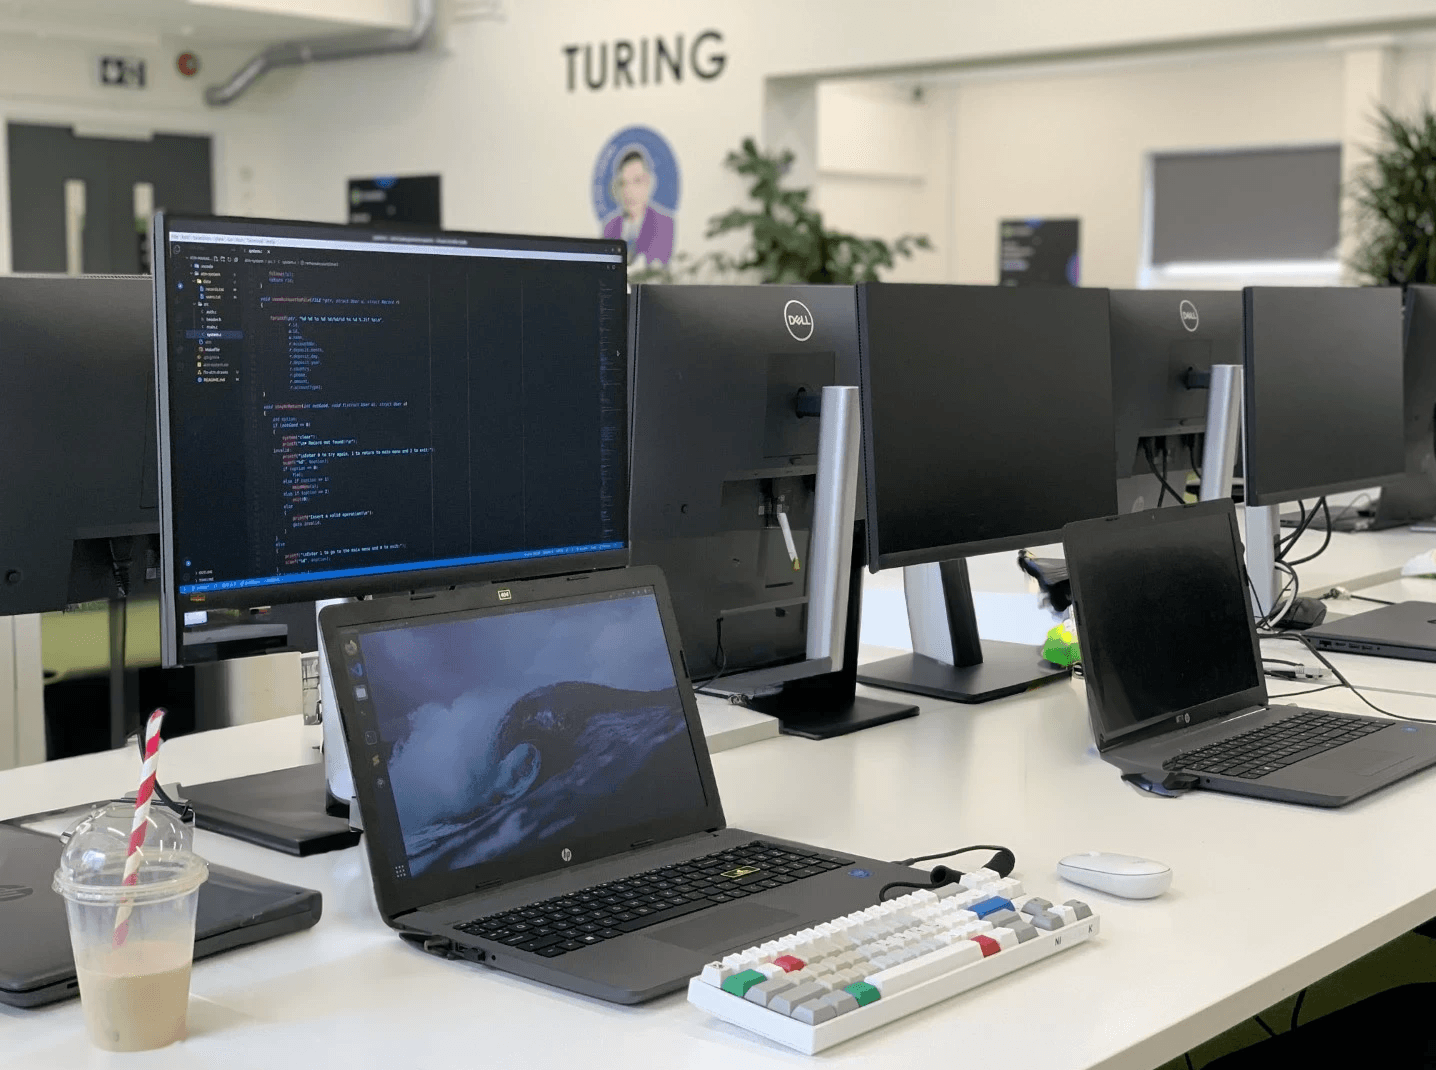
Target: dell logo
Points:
(1188, 312)
(505, 594)
(1184, 718)
(799, 320)
(566, 855)
(9, 892)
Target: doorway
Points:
(81, 205)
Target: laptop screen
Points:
(496, 735)
(1162, 612)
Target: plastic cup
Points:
(135, 990)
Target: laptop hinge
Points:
(641, 844)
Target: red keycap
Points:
(789, 963)
(988, 944)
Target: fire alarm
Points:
(187, 63)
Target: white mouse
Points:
(1124, 875)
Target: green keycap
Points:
(739, 983)
(863, 992)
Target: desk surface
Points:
(1240, 929)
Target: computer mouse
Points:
(1123, 875)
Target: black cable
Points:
(1192, 456)
(1296, 1010)
(1283, 542)
(1188, 1056)
(1368, 598)
(950, 854)
(1162, 475)
(1326, 512)
(1308, 691)
(1269, 1030)
(720, 656)
(1306, 642)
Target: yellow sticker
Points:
(741, 871)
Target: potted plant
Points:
(1394, 197)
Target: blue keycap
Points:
(991, 906)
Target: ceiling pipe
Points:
(348, 46)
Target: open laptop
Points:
(1175, 688)
(1406, 630)
(537, 795)
(36, 964)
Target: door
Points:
(81, 204)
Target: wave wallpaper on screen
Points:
(514, 731)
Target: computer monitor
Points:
(1164, 343)
(1412, 498)
(1323, 391)
(987, 426)
(348, 411)
(77, 419)
(727, 418)
(1323, 405)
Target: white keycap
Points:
(1066, 913)
(1008, 888)
(947, 890)
(924, 896)
(715, 973)
(1005, 938)
(979, 877)
(736, 960)
(770, 971)
(895, 979)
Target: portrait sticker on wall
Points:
(635, 194)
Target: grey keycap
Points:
(841, 1002)
(1035, 905)
(762, 993)
(1024, 931)
(1081, 909)
(787, 1002)
(815, 1011)
(1047, 920)
(1002, 918)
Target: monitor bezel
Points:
(412, 579)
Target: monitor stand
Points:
(980, 670)
(302, 810)
(821, 707)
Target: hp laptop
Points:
(537, 795)
(1175, 688)
(36, 965)
(1406, 630)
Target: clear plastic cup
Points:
(134, 988)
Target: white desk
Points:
(1164, 975)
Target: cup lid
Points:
(93, 861)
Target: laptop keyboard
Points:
(1261, 751)
(581, 919)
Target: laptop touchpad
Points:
(721, 927)
(1363, 761)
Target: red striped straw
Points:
(134, 856)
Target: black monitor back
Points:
(716, 441)
(1413, 497)
(1323, 390)
(987, 417)
(1158, 338)
(77, 434)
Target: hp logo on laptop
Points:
(566, 855)
(9, 892)
(1188, 312)
(505, 594)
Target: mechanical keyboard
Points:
(834, 981)
(572, 922)
(1261, 751)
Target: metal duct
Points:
(348, 46)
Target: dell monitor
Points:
(348, 411)
(1323, 406)
(987, 426)
(1164, 343)
(729, 472)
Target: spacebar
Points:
(663, 915)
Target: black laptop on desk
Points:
(1175, 687)
(1406, 630)
(537, 794)
(36, 965)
